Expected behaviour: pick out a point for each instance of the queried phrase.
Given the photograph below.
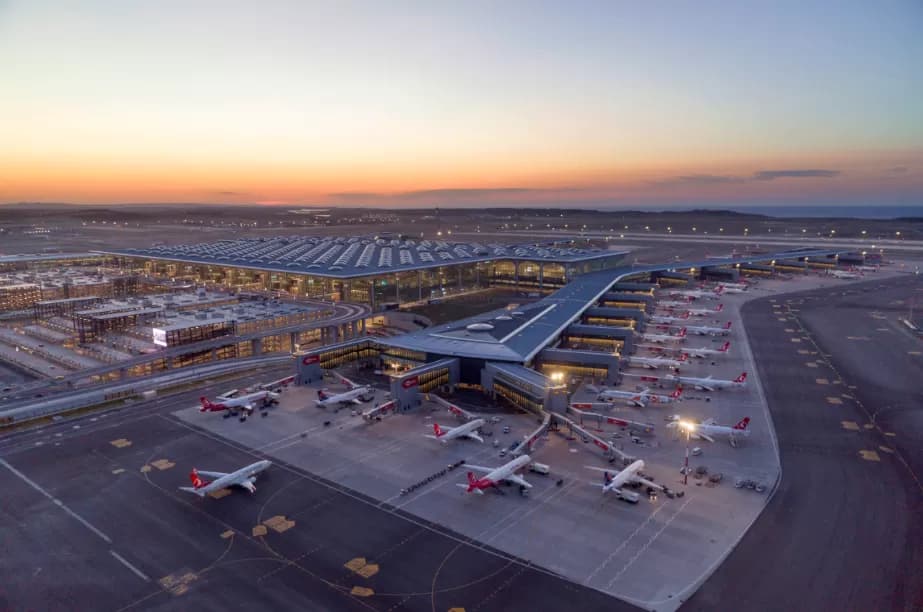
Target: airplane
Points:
(741, 285)
(653, 363)
(844, 274)
(614, 482)
(661, 338)
(494, 476)
(667, 319)
(468, 430)
(705, 352)
(732, 288)
(640, 398)
(353, 396)
(710, 331)
(708, 383)
(243, 403)
(868, 268)
(672, 303)
(704, 312)
(697, 294)
(709, 430)
(244, 477)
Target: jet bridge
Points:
(528, 443)
(580, 409)
(377, 411)
(610, 451)
(458, 411)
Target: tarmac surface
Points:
(843, 529)
(93, 519)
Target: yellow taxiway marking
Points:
(803, 351)
(145, 468)
(354, 565)
(118, 470)
(219, 493)
(163, 464)
(227, 534)
(796, 339)
(890, 434)
(885, 449)
(259, 530)
(850, 425)
(121, 443)
(834, 400)
(279, 523)
(869, 426)
(360, 591)
(368, 570)
(869, 455)
(177, 584)
(917, 353)
(822, 381)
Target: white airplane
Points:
(468, 430)
(708, 383)
(732, 288)
(705, 352)
(652, 363)
(244, 478)
(668, 319)
(743, 285)
(868, 268)
(243, 403)
(709, 430)
(844, 274)
(704, 312)
(710, 331)
(616, 480)
(661, 338)
(353, 396)
(640, 398)
(494, 476)
(673, 303)
(697, 294)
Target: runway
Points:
(93, 519)
(843, 530)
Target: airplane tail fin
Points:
(742, 424)
(683, 357)
(682, 333)
(438, 430)
(197, 482)
(321, 395)
(724, 349)
(719, 308)
(741, 378)
(719, 290)
(677, 393)
(685, 315)
(206, 404)
(472, 482)
(728, 326)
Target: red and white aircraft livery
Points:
(494, 476)
(696, 294)
(244, 403)
(732, 288)
(708, 383)
(244, 478)
(705, 312)
(667, 319)
(652, 363)
(615, 481)
(673, 303)
(709, 430)
(705, 352)
(355, 394)
(468, 430)
(661, 338)
(640, 398)
(844, 274)
(710, 331)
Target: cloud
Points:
(231, 193)
(452, 194)
(701, 179)
(449, 194)
(771, 175)
(899, 170)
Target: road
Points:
(843, 530)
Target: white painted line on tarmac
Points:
(134, 570)
(55, 500)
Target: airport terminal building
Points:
(366, 270)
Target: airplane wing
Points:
(215, 475)
(350, 384)
(200, 492)
(474, 436)
(705, 436)
(356, 400)
(516, 478)
(708, 421)
(478, 468)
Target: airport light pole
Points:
(687, 426)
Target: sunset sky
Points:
(462, 103)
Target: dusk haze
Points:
(403, 104)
